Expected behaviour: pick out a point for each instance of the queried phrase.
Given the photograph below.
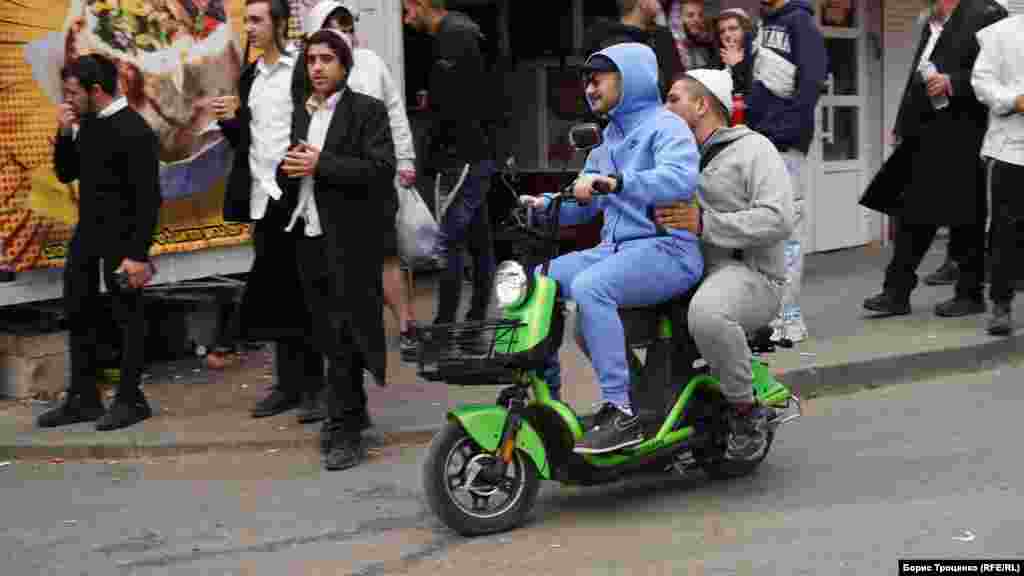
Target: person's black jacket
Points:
(604, 33)
(460, 93)
(353, 186)
(936, 175)
(116, 162)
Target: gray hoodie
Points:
(747, 198)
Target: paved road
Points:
(928, 469)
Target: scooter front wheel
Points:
(463, 498)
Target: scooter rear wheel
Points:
(712, 460)
(470, 509)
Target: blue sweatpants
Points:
(601, 280)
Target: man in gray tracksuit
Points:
(744, 216)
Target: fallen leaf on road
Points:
(967, 537)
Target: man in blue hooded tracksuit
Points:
(648, 159)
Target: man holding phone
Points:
(114, 155)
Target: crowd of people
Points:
(720, 110)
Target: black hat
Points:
(599, 63)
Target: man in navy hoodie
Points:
(789, 70)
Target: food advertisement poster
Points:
(174, 57)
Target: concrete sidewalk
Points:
(200, 410)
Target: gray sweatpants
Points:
(732, 300)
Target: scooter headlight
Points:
(511, 284)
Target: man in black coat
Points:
(112, 152)
(936, 176)
(339, 172)
(258, 126)
(637, 23)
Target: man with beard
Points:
(789, 71)
(692, 37)
(112, 152)
(935, 176)
(637, 23)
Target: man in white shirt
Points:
(370, 76)
(998, 81)
(258, 126)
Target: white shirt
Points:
(370, 76)
(271, 104)
(936, 27)
(119, 103)
(320, 115)
(998, 79)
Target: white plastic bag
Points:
(417, 230)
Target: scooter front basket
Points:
(467, 353)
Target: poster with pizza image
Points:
(173, 57)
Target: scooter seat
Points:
(640, 323)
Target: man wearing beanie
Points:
(743, 219)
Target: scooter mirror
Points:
(584, 137)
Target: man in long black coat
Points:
(338, 176)
(935, 176)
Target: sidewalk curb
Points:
(808, 382)
(812, 381)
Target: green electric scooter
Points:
(483, 469)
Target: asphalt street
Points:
(927, 469)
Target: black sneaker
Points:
(74, 409)
(407, 344)
(946, 275)
(1001, 322)
(748, 433)
(276, 403)
(888, 305)
(313, 408)
(344, 449)
(612, 430)
(125, 412)
(364, 424)
(957, 307)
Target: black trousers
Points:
(332, 336)
(913, 241)
(298, 364)
(1007, 214)
(85, 312)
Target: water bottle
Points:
(928, 69)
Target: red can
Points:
(739, 110)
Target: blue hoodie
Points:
(787, 118)
(650, 150)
